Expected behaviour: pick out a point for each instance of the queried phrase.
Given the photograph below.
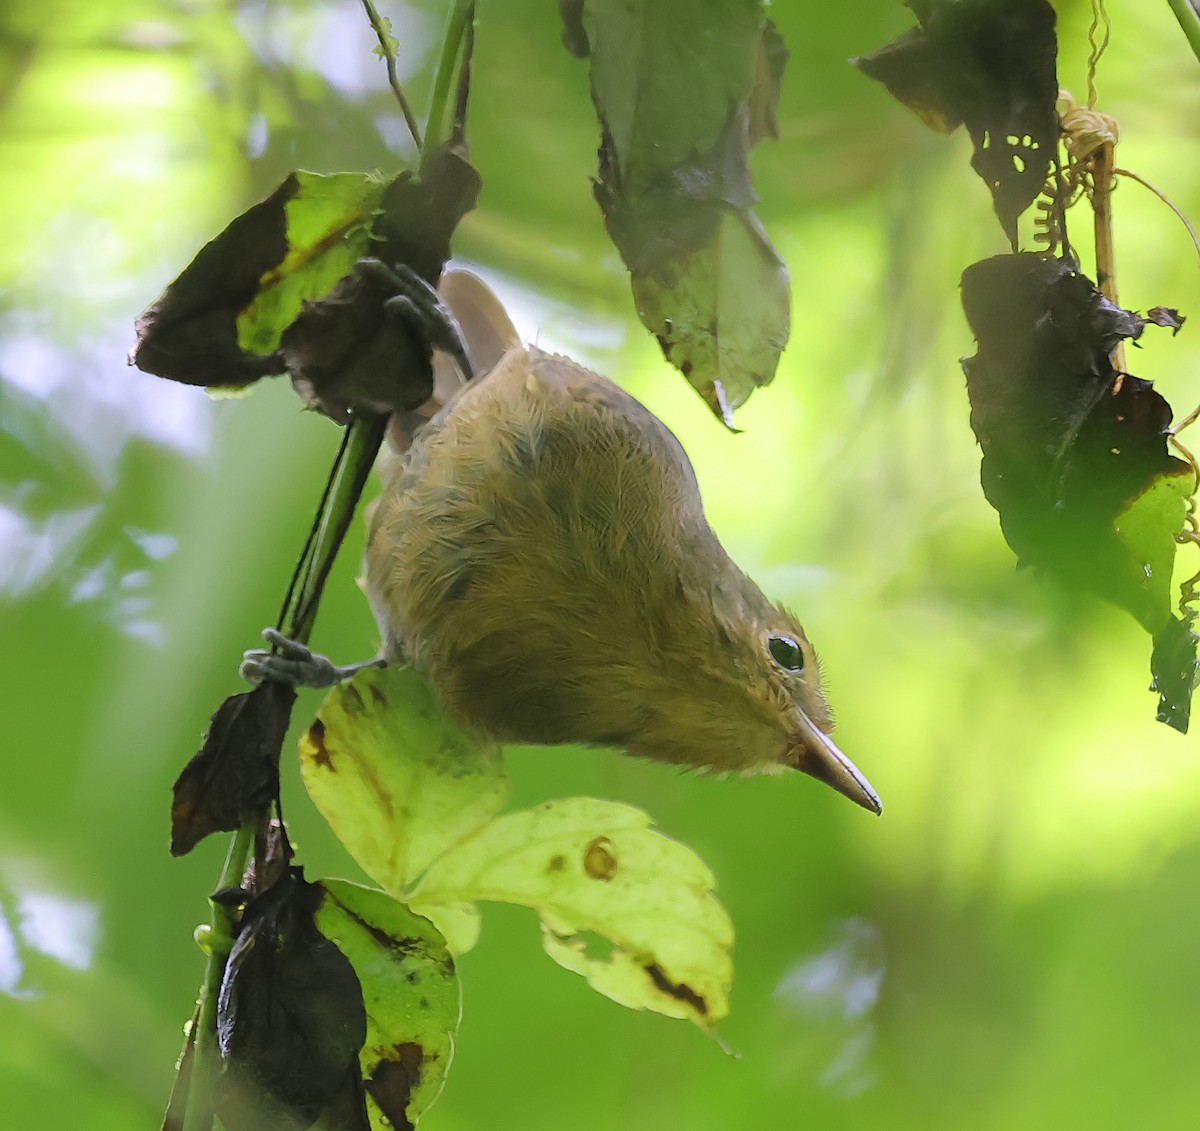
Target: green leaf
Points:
(411, 994)
(597, 873)
(396, 780)
(328, 230)
(1175, 669)
(664, 76)
(721, 312)
(1146, 530)
(235, 773)
(681, 93)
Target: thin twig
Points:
(1186, 422)
(387, 49)
(1166, 200)
(1106, 265)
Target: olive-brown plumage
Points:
(541, 552)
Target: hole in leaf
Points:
(596, 946)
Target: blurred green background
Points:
(1013, 944)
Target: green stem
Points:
(1188, 15)
(362, 446)
(357, 458)
(387, 44)
(456, 26)
(204, 1057)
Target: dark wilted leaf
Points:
(348, 353)
(681, 94)
(988, 64)
(290, 1019)
(1074, 459)
(1166, 316)
(278, 290)
(235, 774)
(220, 322)
(189, 333)
(1174, 667)
(419, 215)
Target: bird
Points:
(539, 549)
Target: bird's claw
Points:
(288, 661)
(419, 304)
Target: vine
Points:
(1076, 451)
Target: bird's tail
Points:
(488, 333)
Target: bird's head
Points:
(750, 700)
(790, 683)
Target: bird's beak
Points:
(814, 753)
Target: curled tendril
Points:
(1086, 131)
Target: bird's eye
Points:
(786, 653)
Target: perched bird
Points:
(540, 551)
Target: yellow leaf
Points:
(410, 994)
(629, 908)
(396, 780)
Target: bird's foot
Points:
(414, 301)
(290, 662)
